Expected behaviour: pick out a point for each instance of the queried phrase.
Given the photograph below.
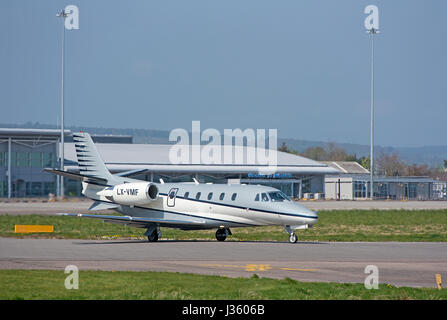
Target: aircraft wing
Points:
(138, 222)
(132, 173)
(100, 205)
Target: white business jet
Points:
(186, 206)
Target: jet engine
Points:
(135, 193)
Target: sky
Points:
(301, 67)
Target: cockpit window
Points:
(285, 196)
(257, 197)
(278, 196)
(265, 197)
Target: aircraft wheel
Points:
(153, 237)
(293, 238)
(221, 234)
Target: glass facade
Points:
(284, 187)
(361, 189)
(393, 190)
(28, 159)
(3, 189)
(27, 176)
(383, 190)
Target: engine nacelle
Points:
(135, 193)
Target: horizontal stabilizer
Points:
(74, 175)
(136, 221)
(98, 205)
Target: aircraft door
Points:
(171, 197)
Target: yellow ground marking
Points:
(438, 281)
(20, 228)
(255, 267)
(248, 267)
(293, 269)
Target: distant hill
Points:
(430, 155)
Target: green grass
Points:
(46, 284)
(346, 225)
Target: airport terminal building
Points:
(353, 183)
(24, 153)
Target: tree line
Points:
(385, 164)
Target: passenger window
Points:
(264, 197)
(257, 197)
(186, 195)
(222, 196)
(198, 195)
(210, 195)
(233, 197)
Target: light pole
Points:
(372, 32)
(372, 27)
(63, 15)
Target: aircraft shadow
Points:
(116, 242)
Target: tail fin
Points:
(89, 160)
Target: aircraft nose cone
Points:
(306, 213)
(315, 219)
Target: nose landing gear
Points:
(292, 236)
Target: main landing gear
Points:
(222, 233)
(153, 234)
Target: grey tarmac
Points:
(400, 263)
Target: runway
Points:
(399, 263)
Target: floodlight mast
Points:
(372, 32)
(63, 15)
